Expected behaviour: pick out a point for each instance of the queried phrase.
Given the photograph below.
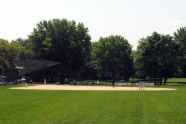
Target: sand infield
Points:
(90, 88)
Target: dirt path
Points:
(98, 88)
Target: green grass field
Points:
(181, 80)
(93, 107)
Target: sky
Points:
(133, 19)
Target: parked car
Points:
(22, 80)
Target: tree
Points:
(27, 52)
(180, 38)
(63, 41)
(112, 57)
(8, 53)
(156, 57)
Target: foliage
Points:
(113, 58)
(156, 56)
(68, 43)
(180, 37)
(27, 52)
(8, 53)
(63, 41)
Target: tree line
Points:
(110, 58)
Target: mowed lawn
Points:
(93, 107)
(181, 80)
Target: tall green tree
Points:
(64, 41)
(8, 53)
(113, 58)
(180, 37)
(156, 57)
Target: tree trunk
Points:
(113, 79)
(165, 81)
(155, 83)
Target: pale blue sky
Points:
(132, 19)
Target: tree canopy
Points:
(60, 48)
(63, 41)
(156, 56)
(113, 57)
(8, 53)
(180, 37)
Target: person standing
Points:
(44, 81)
(140, 84)
(113, 83)
(75, 82)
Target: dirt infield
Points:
(95, 88)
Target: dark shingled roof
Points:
(35, 65)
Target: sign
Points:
(19, 67)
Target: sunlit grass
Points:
(103, 107)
